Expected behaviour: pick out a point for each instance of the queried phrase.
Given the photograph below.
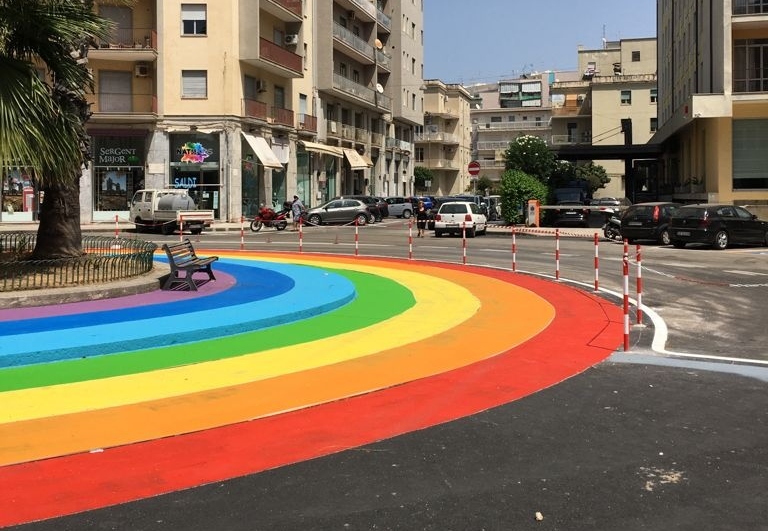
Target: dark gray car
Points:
(717, 225)
(648, 221)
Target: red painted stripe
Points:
(586, 330)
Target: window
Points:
(750, 57)
(193, 19)
(635, 56)
(654, 95)
(194, 84)
(626, 97)
(654, 125)
(750, 158)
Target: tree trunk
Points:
(59, 234)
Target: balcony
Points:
(440, 164)
(383, 20)
(510, 126)
(395, 143)
(280, 116)
(436, 138)
(492, 164)
(285, 10)
(493, 145)
(383, 61)
(366, 6)
(278, 60)
(573, 139)
(358, 48)
(122, 107)
(361, 93)
(255, 109)
(306, 122)
(131, 44)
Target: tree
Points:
(517, 187)
(420, 176)
(530, 155)
(42, 120)
(594, 174)
(481, 185)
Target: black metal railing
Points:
(105, 260)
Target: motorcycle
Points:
(612, 227)
(268, 217)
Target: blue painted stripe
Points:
(315, 291)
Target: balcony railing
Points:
(294, 6)
(307, 122)
(367, 6)
(493, 145)
(129, 38)
(352, 40)
(269, 51)
(383, 19)
(510, 126)
(255, 109)
(396, 143)
(573, 139)
(383, 60)
(750, 7)
(437, 138)
(105, 103)
(492, 164)
(282, 116)
(364, 93)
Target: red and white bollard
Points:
(464, 243)
(514, 250)
(117, 228)
(410, 239)
(181, 228)
(625, 273)
(639, 287)
(242, 233)
(357, 238)
(557, 254)
(597, 263)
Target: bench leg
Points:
(210, 272)
(174, 277)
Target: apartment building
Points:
(617, 83)
(503, 111)
(713, 101)
(248, 102)
(443, 143)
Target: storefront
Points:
(118, 171)
(195, 166)
(18, 196)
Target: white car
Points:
(399, 206)
(458, 216)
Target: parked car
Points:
(340, 211)
(432, 212)
(376, 208)
(648, 221)
(400, 206)
(383, 206)
(479, 200)
(455, 216)
(716, 225)
(570, 213)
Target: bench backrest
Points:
(180, 253)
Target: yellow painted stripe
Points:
(440, 306)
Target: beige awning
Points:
(262, 151)
(367, 160)
(356, 162)
(322, 148)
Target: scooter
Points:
(612, 227)
(267, 217)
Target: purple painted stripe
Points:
(224, 281)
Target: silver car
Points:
(399, 206)
(340, 211)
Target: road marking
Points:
(747, 273)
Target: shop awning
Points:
(322, 148)
(356, 162)
(367, 160)
(263, 152)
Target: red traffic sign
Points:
(474, 168)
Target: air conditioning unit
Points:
(261, 85)
(141, 70)
(292, 39)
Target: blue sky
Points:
(478, 41)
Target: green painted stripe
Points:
(378, 299)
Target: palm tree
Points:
(43, 108)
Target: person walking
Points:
(297, 208)
(421, 219)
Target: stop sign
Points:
(474, 168)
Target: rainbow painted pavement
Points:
(285, 357)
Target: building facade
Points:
(443, 143)
(616, 82)
(248, 102)
(713, 101)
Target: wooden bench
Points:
(182, 257)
